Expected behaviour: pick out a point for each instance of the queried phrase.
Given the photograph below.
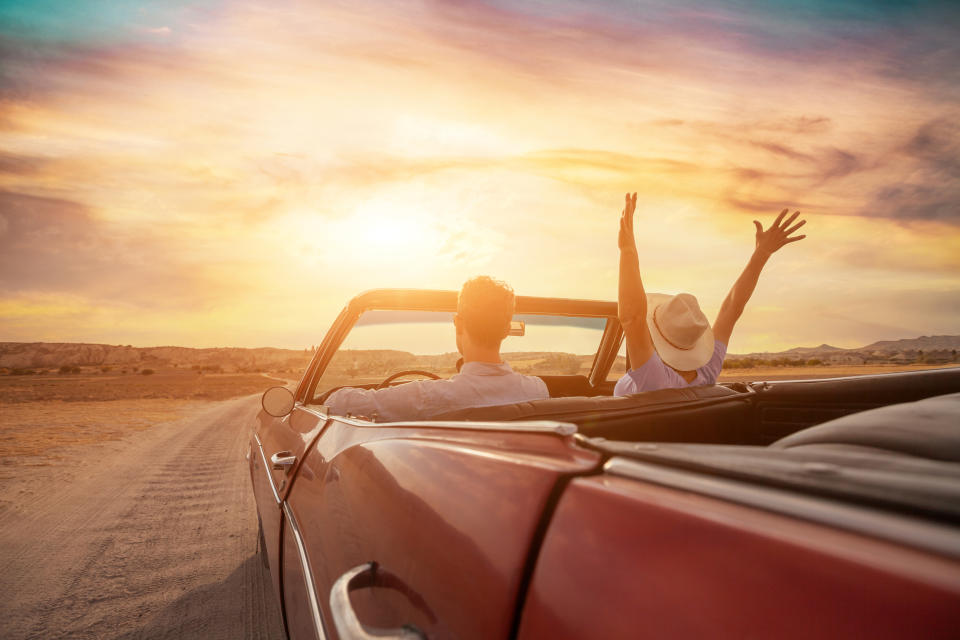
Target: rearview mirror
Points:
(517, 328)
(277, 401)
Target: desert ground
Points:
(130, 517)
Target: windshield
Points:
(382, 343)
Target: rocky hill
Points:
(926, 343)
(22, 355)
(824, 348)
(923, 350)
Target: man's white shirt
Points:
(479, 384)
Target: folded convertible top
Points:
(903, 457)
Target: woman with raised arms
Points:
(670, 343)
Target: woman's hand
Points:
(626, 239)
(778, 234)
(768, 242)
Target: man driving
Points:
(484, 310)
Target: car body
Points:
(711, 511)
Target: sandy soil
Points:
(39, 434)
(170, 383)
(150, 534)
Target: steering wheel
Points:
(410, 372)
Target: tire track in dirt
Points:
(156, 539)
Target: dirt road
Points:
(151, 536)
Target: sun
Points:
(410, 235)
(386, 233)
(393, 233)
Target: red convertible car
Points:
(796, 509)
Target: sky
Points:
(232, 173)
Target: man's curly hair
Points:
(485, 307)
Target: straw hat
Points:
(680, 332)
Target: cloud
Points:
(926, 185)
(907, 202)
(20, 165)
(49, 243)
(922, 256)
(813, 180)
(937, 145)
(55, 245)
(780, 149)
(594, 168)
(903, 176)
(836, 163)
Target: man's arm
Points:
(403, 401)
(352, 400)
(768, 242)
(631, 298)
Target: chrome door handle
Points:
(283, 460)
(345, 618)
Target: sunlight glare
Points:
(390, 230)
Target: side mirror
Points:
(277, 401)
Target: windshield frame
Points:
(433, 300)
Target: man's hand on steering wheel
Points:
(408, 372)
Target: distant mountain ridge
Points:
(19, 355)
(927, 344)
(55, 354)
(807, 350)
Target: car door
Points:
(278, 447)
(643, 551)
(448, 512)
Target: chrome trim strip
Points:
(319, 410)
(266, 468)
(307, 573)
(866, 376)
(529, 426)
(901, 529)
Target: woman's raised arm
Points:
(631, 297)
(767, 243)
